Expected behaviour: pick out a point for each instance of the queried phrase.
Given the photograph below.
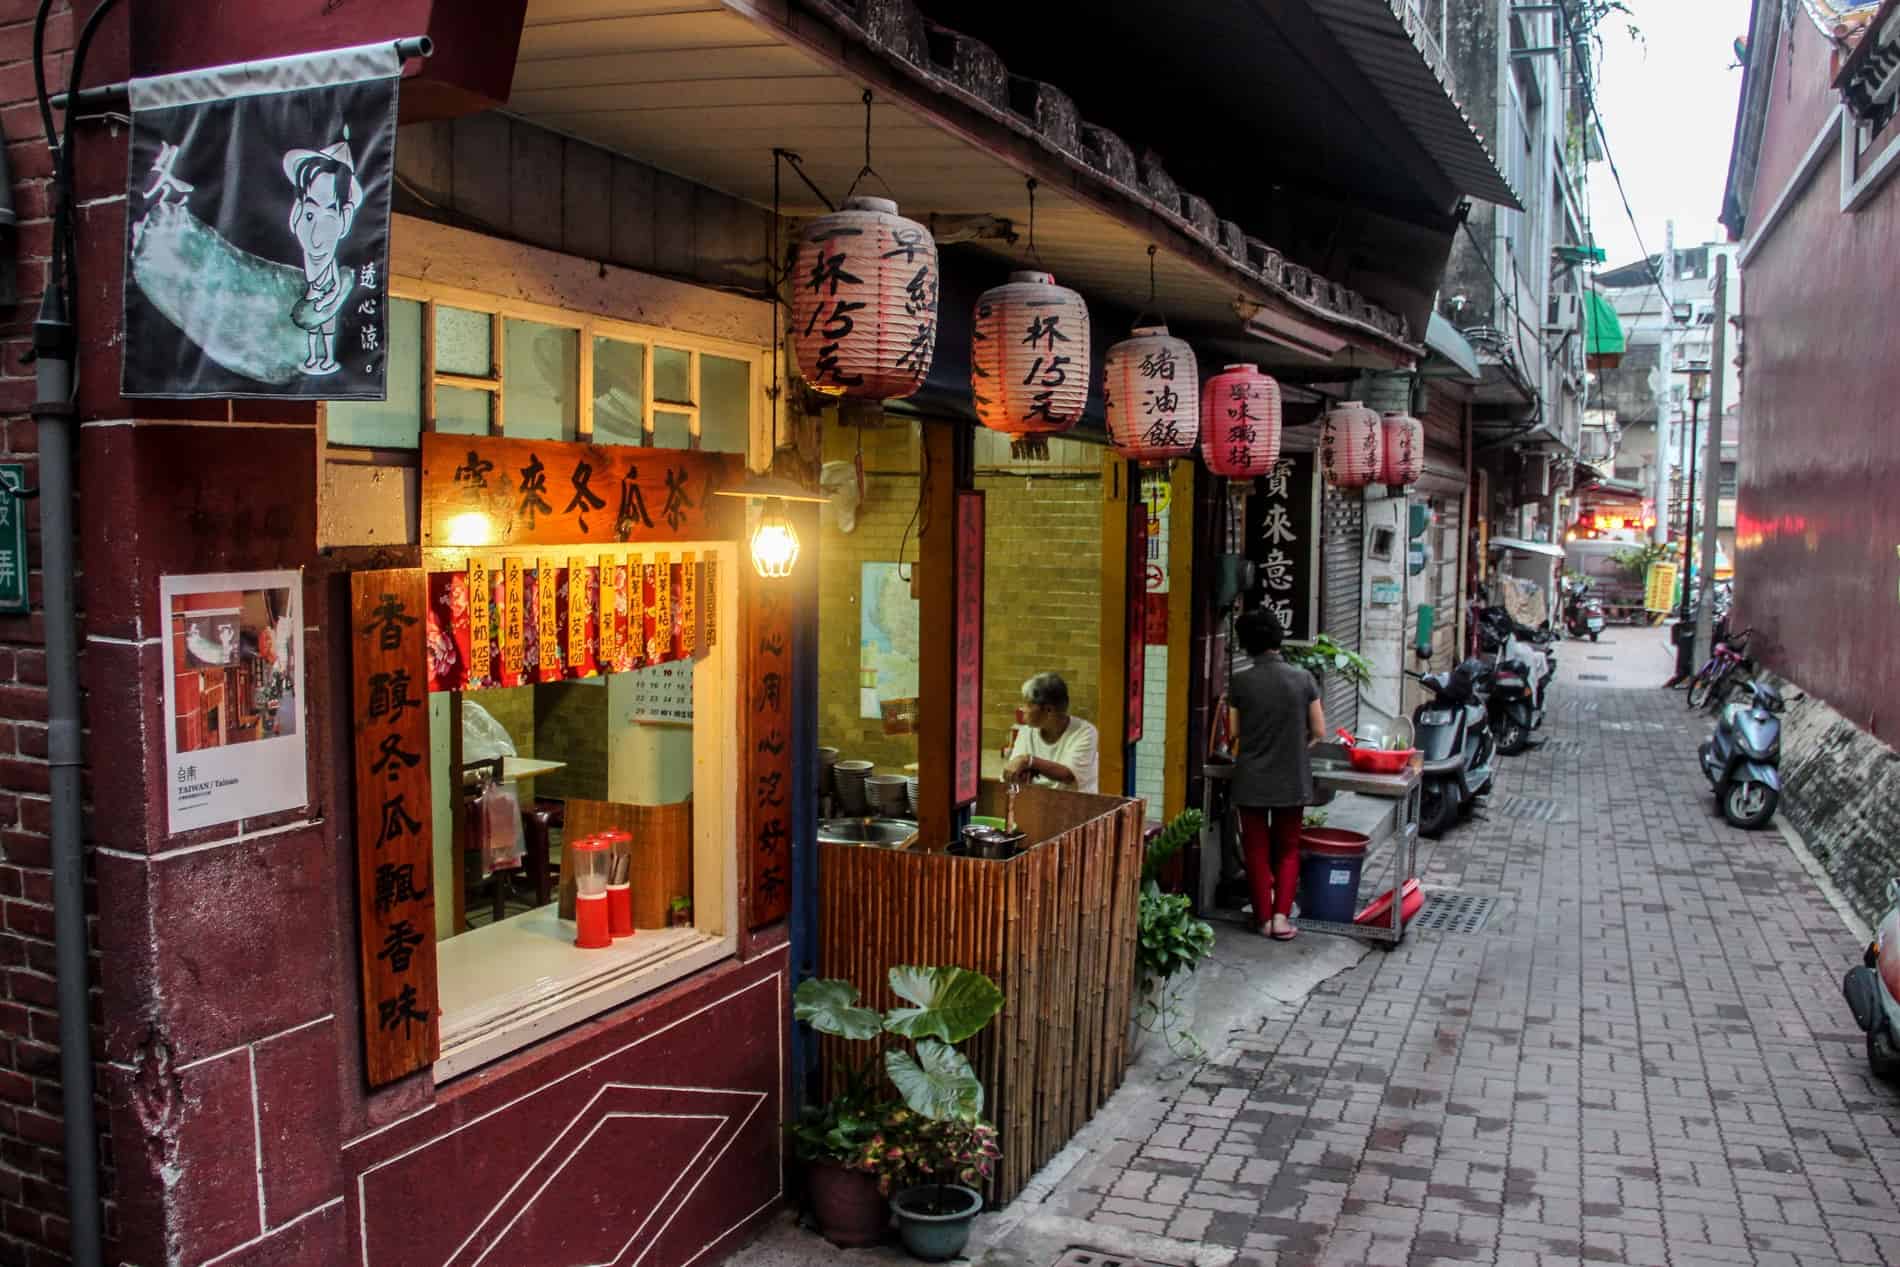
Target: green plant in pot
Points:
(1169, 941)
(930, 1149)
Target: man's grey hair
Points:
(1047, 690)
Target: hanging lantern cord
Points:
(1034, 254)
(867, 169)
(1150, 312)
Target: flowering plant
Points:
(921, 1150)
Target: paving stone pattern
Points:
(1643, 1057)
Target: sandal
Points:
(1290, 933)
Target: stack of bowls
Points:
(911, 791)
(886, 794)
(827, 758)
(849, 778)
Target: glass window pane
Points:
(619, 386)
(725, 417)
(461, 411)
(541, 376)
(392, 423)
(463, 342)
(671, 430)
(672, 376)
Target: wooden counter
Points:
(1054, 927)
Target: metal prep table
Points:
(1333, 773)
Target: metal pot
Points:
(993, 843)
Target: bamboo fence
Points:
(1054, 927)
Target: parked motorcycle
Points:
(1454, 738)
(1583, 611)
(1740, 758)
(1526, 661)
(1872, 989)
(1728, 663)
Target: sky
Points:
(1668, 106)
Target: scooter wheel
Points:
(1748, 804)
(1883, 1059)
(1514, 738)
(1437, 810)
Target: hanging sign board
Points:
(13, 557)
(395, 898)
(491, 491)
(1283, 541)
(969, 597)
(1136, 674)
(257, 228)
(234, 732)
(767, 731)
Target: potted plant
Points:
(1322, 656)
(679, 913)
(933, 1147)
(841, 1143)
(1169, 940)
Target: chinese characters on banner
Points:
(969, 719)
(395, 896)
(1283, 542)
(493, 491)
(13, 560)
(768, 746)
(1137, 586)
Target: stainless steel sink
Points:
(883, 833)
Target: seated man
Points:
(1052, 748)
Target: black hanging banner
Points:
(1283, 529)
(257, 228)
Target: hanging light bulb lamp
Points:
(1029, 356)
(1151, 391)
(773, 541)
(1402, 448)
(1240, 424)
(864, 296)
(1351, 445)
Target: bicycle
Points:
(1713, 681)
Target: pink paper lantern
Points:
(1351, 445)
(1152, 395)
(864, 302)
(1403, 449)
(1029, 361)
(1240, 422)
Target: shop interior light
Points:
(774, 542)
(471, 528)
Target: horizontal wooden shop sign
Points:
(495, 491)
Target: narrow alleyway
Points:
(1640, 1056)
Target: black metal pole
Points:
(1688, 503)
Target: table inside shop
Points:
(1332, 774)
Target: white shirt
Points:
(1077, 748)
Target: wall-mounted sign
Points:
(257, 228)
(1283, 540)
(767, 731)
(1385, 591)
(969, 718)
(491, 491)
(234, 719)
(13, 557)
(1137, 672)
(395, 893)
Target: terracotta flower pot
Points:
(849, 1208)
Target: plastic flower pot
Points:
(934, 1219)
(847, 1205)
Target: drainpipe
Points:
(53, 415)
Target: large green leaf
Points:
(830, 1007)
(952, 1003)
(938, 1082)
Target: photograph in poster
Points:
(234, 673)
(257, 228)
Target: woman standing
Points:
(1277, 716)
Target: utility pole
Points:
(1712, 465)
(1665, 381)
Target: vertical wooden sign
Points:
(547, 579)
(1137, 675)
(660, 643)
(578, 613)
(395, 903)
(969, 634)
(689, 607)
(767, 659)
(709, 605)
(610, 572)
(480, 635)
(514, 621)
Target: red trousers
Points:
(1270, 839)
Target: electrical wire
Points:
(1596, 115)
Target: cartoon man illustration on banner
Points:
(324, 198)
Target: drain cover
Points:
(1562, 745)
(1449, 911)
(1531, 807)
(1599, 657)
(1593, 677)
(1077, 1257)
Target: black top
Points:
(1273, 767)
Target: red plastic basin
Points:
(1334, 842)
(1379, 760)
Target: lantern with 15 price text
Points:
(1152, 394)
(864, 302)
(1240, 422)
(1029, 361)
(1351, 445)
(1403, 449)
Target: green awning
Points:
(1603, 331)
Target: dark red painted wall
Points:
(1818, 519)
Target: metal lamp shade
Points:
(864, 302)
(1403, 448)
(1240, 422)
(1029, 361)
(1351, 445)
(1152, 394)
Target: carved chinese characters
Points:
(767, 786)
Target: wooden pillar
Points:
(1174, 779)
(946, 466)
(1111, 720)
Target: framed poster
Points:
(1283, 542)
(234, 700)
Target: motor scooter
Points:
(1583, 611)
(1872, 989)
(1454, 739)
(1740, 758)
(1526, 663)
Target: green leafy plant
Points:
(1314, 818)
(935, 1130)
(1181, 829)
(1322, 656)
(1171, 940)
(1635, 561)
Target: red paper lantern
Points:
(1029, 361)
(1351, 445)
(1403, 449)
(1240, 422)
(864, 301)
(1152, 394)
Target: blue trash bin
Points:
(1330, 861)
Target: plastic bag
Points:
(484, 739)
(498, 812)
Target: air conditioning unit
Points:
(1566, 314)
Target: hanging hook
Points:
(1033, 252)
(1151, 273)
(1149, 311)
(867, 169)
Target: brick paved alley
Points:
(1641, 1057)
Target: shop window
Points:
(396, 422)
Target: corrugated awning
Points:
(1384, 40)
(1603, 328)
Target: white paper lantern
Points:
(1403, 449)
(864, 302)
(1351, 445)
(1152, 394)
(1240, 422)
(1029, 360)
